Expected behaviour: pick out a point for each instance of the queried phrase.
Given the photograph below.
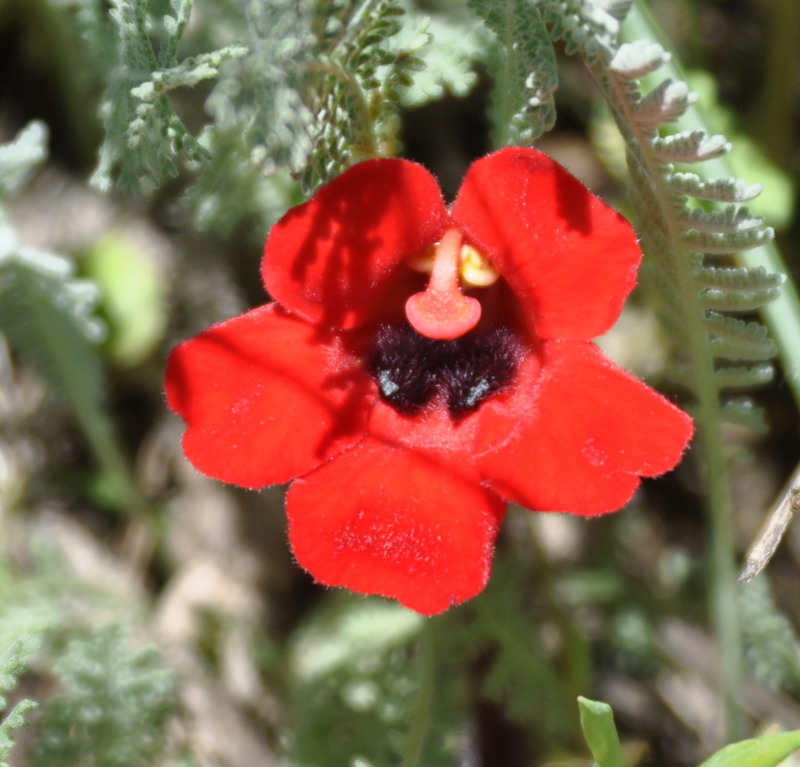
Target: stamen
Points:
(476, 270)
(423, 262)
(442, 311)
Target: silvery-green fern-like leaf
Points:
(752, 335)
(667, 102)
(590, 29)
(524, 70)
(732, 350)
(738, 278)
(744, 412)
(743, 376)
(14, 660)
(714, 190)
(734, 339)
(717, 243)
(635, 60)
(689, 147)
(731, 218)
(737, 301)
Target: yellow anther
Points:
(475, 269)
(423, 262)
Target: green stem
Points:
(420, 723)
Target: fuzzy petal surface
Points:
(569, 257)
(578, 433)
(414, 525)
(265, 397)
(332, 259)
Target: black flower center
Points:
(411, 369)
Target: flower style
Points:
(421, 366)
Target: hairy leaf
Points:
(689, 147)
(736, 339)
(524, 70)
(714, 190)
(740, 376)
(740, 278)
(145, 139)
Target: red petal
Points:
(578, 440)
(570, 258)
(433, 429)
(329, 260)
(414, 525)
(265, 397)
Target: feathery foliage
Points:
(144, 137)
(107, 701)
(112, 708)
(680, 231)
(306, 89)
(312, 81)
(13, 662)
(524, 69)
(33, 283)
(771, 645)
(518, 671)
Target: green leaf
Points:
(444, 50)
(597, 723)
(525, 71)
(765, 751)
(145, 139)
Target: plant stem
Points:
(423, 705)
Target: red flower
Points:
(409, 415)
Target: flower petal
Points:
(265, 397)
(329, 260)
(413, 525)
(569, 257)
(578, 437)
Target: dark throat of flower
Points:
(412, 370)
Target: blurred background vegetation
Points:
(154, 616)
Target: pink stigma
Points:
(442, 311)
